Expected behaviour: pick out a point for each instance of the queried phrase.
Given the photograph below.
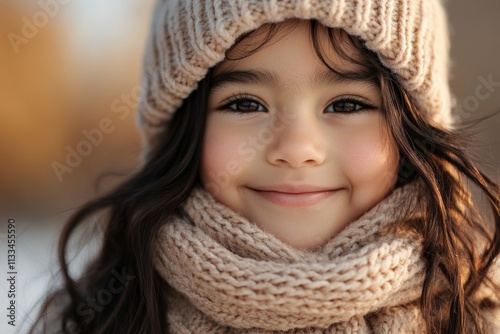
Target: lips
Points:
(294, 195)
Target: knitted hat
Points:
(190, 36)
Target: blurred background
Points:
(69, 76)
(66, 68)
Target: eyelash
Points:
(365, 105)
(237, 99)
(226, 107)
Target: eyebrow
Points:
(244, 77)
(270, 79)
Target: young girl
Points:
(300, 175)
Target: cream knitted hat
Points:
(188, 37)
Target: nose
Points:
(298, 142)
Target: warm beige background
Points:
(85, 60)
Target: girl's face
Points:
(291, 146)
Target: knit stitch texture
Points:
(188, 37)
(229, 276)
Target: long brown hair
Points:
(131, 215)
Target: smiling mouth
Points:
(294, 196)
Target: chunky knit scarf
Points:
(229, 276)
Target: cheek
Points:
(370, 160)
(216, 151)
(221, 162)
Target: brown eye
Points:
(347, 106)
(243, 105)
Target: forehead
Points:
(293, 52)
(298, 39)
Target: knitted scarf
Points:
(229, 276)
